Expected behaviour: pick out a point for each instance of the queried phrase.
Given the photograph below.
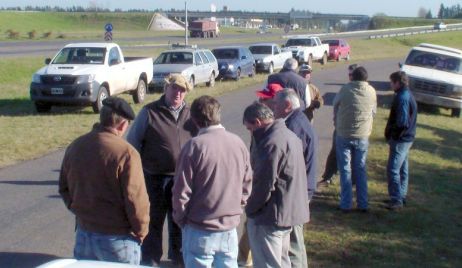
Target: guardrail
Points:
(414, 33)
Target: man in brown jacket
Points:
(102, 183)
(316, 99)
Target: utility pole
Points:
(186, 23)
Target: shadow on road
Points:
(35, 183)
(24, 260)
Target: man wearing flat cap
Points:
(102, 183)
(159, 132)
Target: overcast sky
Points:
(407, 8)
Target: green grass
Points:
(425, 234)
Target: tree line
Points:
(452, 12)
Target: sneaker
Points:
(394, 207)
(245, 264)
(325, 182)
(363, 210)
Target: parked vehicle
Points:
(203, 28)
(440, 26)
(338, 49)
(196, 65)
(307, 49)
(234, 61)
(268, 57)
(87, 73)
(435, 76)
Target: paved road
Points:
(36, 227)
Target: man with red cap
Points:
(267, 94)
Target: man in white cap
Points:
(316, 100)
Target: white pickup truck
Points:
(268, 57)
(307, 49)
(435, 76)
(87, 73)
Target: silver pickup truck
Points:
(87, 73)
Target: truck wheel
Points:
(271, 68)
(98, 104)
(140, 92)
(455, 112)
(42, 107)
(324, 59)
(310, 60)
(254, 71)
(211, 82)
(238, 74)
(347, 57)
(191, 81)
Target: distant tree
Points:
(422, 12)
(441, 12)
(429, 15)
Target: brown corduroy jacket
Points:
(102, 183)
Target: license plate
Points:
(57, 91)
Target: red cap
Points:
(270, 91)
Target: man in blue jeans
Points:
(400, 134)
(354, 109)
(212, 184)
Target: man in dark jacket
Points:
(158, 133)
(289, 78)
(279, 200)
(400, 134)
(287, 106)
(102, 183)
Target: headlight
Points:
(230, 66)
(36, 78)
(266, 60)
(88, 78)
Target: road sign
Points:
(108, 27)
(108, 36)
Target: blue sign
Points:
(108, 27)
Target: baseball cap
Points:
(305, 68)
(120, 107)
(178, 80)
(270, 91)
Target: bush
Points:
(61, 36)
(32, 34)
(12, 34)
(47, 34)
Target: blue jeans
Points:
(397, 170)
(102, 247)
(352, 154)
(202, 248)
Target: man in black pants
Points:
(158, 133)
(331, 162)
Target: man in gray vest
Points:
(158, 133)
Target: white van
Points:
(435, 76)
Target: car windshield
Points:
(225, 54)
(175, 58)
(80, 55)
(299, 42)
(331, 42)
(261, 49)
(434, 61)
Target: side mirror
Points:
(400, 65)
(47, 61)
(114, 62)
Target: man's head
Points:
(267, 94)
(305, 71)
(359, 74)
(285, 102)
(257, 115)
(206, 111)
(290, 64)
(116, 113)
(175, 89)
(398, 80)
(351, 68)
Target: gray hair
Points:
(108, 118)
(288, 94)
(291, 64)
(258, 111)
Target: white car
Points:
(87, 73)
(268, 57)
(196, 65)
(435, 76)
(307, 49)
(71, 263)
(440, 26)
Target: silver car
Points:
(196, 65)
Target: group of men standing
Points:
(180, 163)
